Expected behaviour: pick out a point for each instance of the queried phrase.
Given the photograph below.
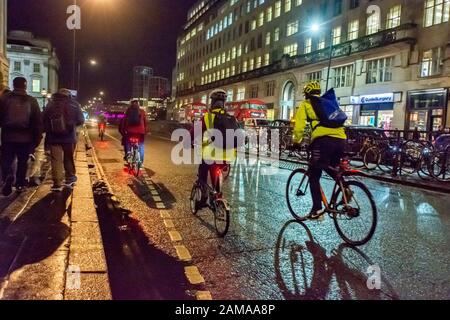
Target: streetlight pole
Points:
(74, 53)
(330, 58)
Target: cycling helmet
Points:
(218, 94)
(312, 88)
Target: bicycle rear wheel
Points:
(221, 218)
(356, 222)
(372, 158)
(298, 195)
(136, 164)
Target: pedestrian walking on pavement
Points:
(62, 116)
(21, 123)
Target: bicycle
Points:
(351, 201)
(101, 131)
(214, 199)
(134, 160)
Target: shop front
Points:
(427, 109)
(375, 110)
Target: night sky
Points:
(118, 33)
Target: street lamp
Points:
(92, 62)
(315, 28)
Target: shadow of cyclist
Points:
(304, 271)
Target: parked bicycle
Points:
(352, 206)
(211, 196)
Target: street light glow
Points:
(93, 62)
(315, 27)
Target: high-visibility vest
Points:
(211, 152)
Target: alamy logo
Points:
(73, 22)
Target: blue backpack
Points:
(328, 110)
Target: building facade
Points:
(35, 60)
(141, 83)
(3, 57)
(390, 59)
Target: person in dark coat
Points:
(21, 124)
(62, 145)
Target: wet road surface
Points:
(266, 255)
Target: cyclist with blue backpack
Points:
(328, 137)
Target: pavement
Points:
(50, 243)
(266, 255)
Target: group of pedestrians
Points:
(23, 126)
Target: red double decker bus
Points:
(247, 109)
(195, 111)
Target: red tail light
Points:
(134, 140)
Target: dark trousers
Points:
(11, 151)
(63, 164)
(326, 152)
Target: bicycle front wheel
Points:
(298, 195)
(372, 158)
(222, 218)
(355, 221)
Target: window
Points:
(270, 88)
(230, 95)
(394, 16)
(292, 28)
(353, 30)
(268, 37)
(373, 23)
(240, 94)
(261, 19)
(269, 13)
(276, 35)
(267, 59)
(287, 5)
(354, 4)
(431, 62)
(314, 76)
(379, 70)
(36, 68)
(36, 85)
(298, 2)
(291, 50)
(254, 91)
(321, 44)
(17, 66)
(337, 7)
(343, 76)
(308, 45)
(436, 12)
(258, 62)
(277, 8)
(337, 35)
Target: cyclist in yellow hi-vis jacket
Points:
(327, 145)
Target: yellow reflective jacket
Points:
(305, 114)
(209, 151)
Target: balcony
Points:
(404, 33)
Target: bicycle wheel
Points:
(221, 218)
(195, 199)
(136, 166)
(102, 135)
(356, 222)
(371, 158)
(298, 195)
(439, 166)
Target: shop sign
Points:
(374, 98)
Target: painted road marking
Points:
(183, 253)
(193, 275)
(160, 205)
(165, 215)
(157, 198)
(175, 236)
(203, 295)
(169, 224)
(155, 193)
